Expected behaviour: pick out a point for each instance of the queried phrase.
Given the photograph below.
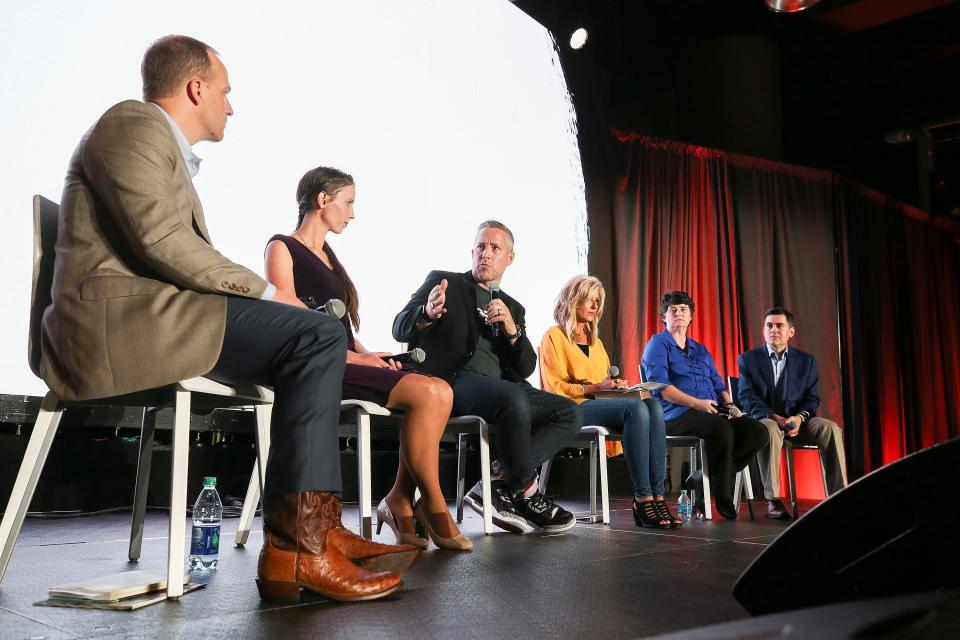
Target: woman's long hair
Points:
(574, 294)
(330, 181)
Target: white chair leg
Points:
(264, 413)
(545, 474)
(363, 473)
(44, 429)
(792, 482)
(707, 507)
(604, 488)
(178, 494)
(737, 485)
(142, 483)
(249, 507)
(593, 480)
(823, 473)
(748, 489)
(485, 478)
(461, 473)
(257, 477)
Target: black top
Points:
(312, 277)
(484, 360)
(451, 341)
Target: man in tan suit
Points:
(141, 299)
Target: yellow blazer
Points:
(139, 292)
(564, 367)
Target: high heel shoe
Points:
(384, 515)
(645, 514)
(664, 511)
(458, 542)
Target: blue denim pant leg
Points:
(658, 445)
(644, 438)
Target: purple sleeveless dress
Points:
(311, 277)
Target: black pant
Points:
(301, 354)
(730, 444)
(531, 426)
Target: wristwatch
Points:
(515, 335)
(423, 315)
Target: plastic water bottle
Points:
(684, 506)
(205, 541)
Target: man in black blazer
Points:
(477, 342)
(779, 387)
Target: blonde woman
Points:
(574, 364)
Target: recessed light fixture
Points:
(789, 6)
(578, 38)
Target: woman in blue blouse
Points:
(696, 402)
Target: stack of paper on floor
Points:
(122, 591)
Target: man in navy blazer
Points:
(779, 387)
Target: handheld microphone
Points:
(494, 295)
(613, 372)
(416, 356)
(332, 307)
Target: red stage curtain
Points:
(874, 284)
(901, 295)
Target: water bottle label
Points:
(205, 541)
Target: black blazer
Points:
(755, 388)
(451, 341)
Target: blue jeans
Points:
(644, 438)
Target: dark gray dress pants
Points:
(301, 354)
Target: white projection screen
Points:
(446, 112)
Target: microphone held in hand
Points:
(332, 307)
(613, 372)
(415, 356)
(494, 288)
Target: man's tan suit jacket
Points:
(139, 293)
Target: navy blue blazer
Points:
(755, 387)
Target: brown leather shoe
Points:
(776, 510)
(298, 553)
(368, 554)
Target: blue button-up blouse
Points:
(692, 372)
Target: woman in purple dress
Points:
(303, 264)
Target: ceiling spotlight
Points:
(898, 136)
(789, 6)
(578, 39)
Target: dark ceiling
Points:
(850, 72)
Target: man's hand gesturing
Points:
(434, 307)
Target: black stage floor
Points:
(612, 581)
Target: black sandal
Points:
(665, 514)
(646, 514)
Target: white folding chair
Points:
(182, 395)
(463, 426)
(597, 436)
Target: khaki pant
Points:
(817, 431)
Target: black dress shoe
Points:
(726, 509)
(777, 510)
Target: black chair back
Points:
(45, 216)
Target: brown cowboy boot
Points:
(368, 554)
(298, 553)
